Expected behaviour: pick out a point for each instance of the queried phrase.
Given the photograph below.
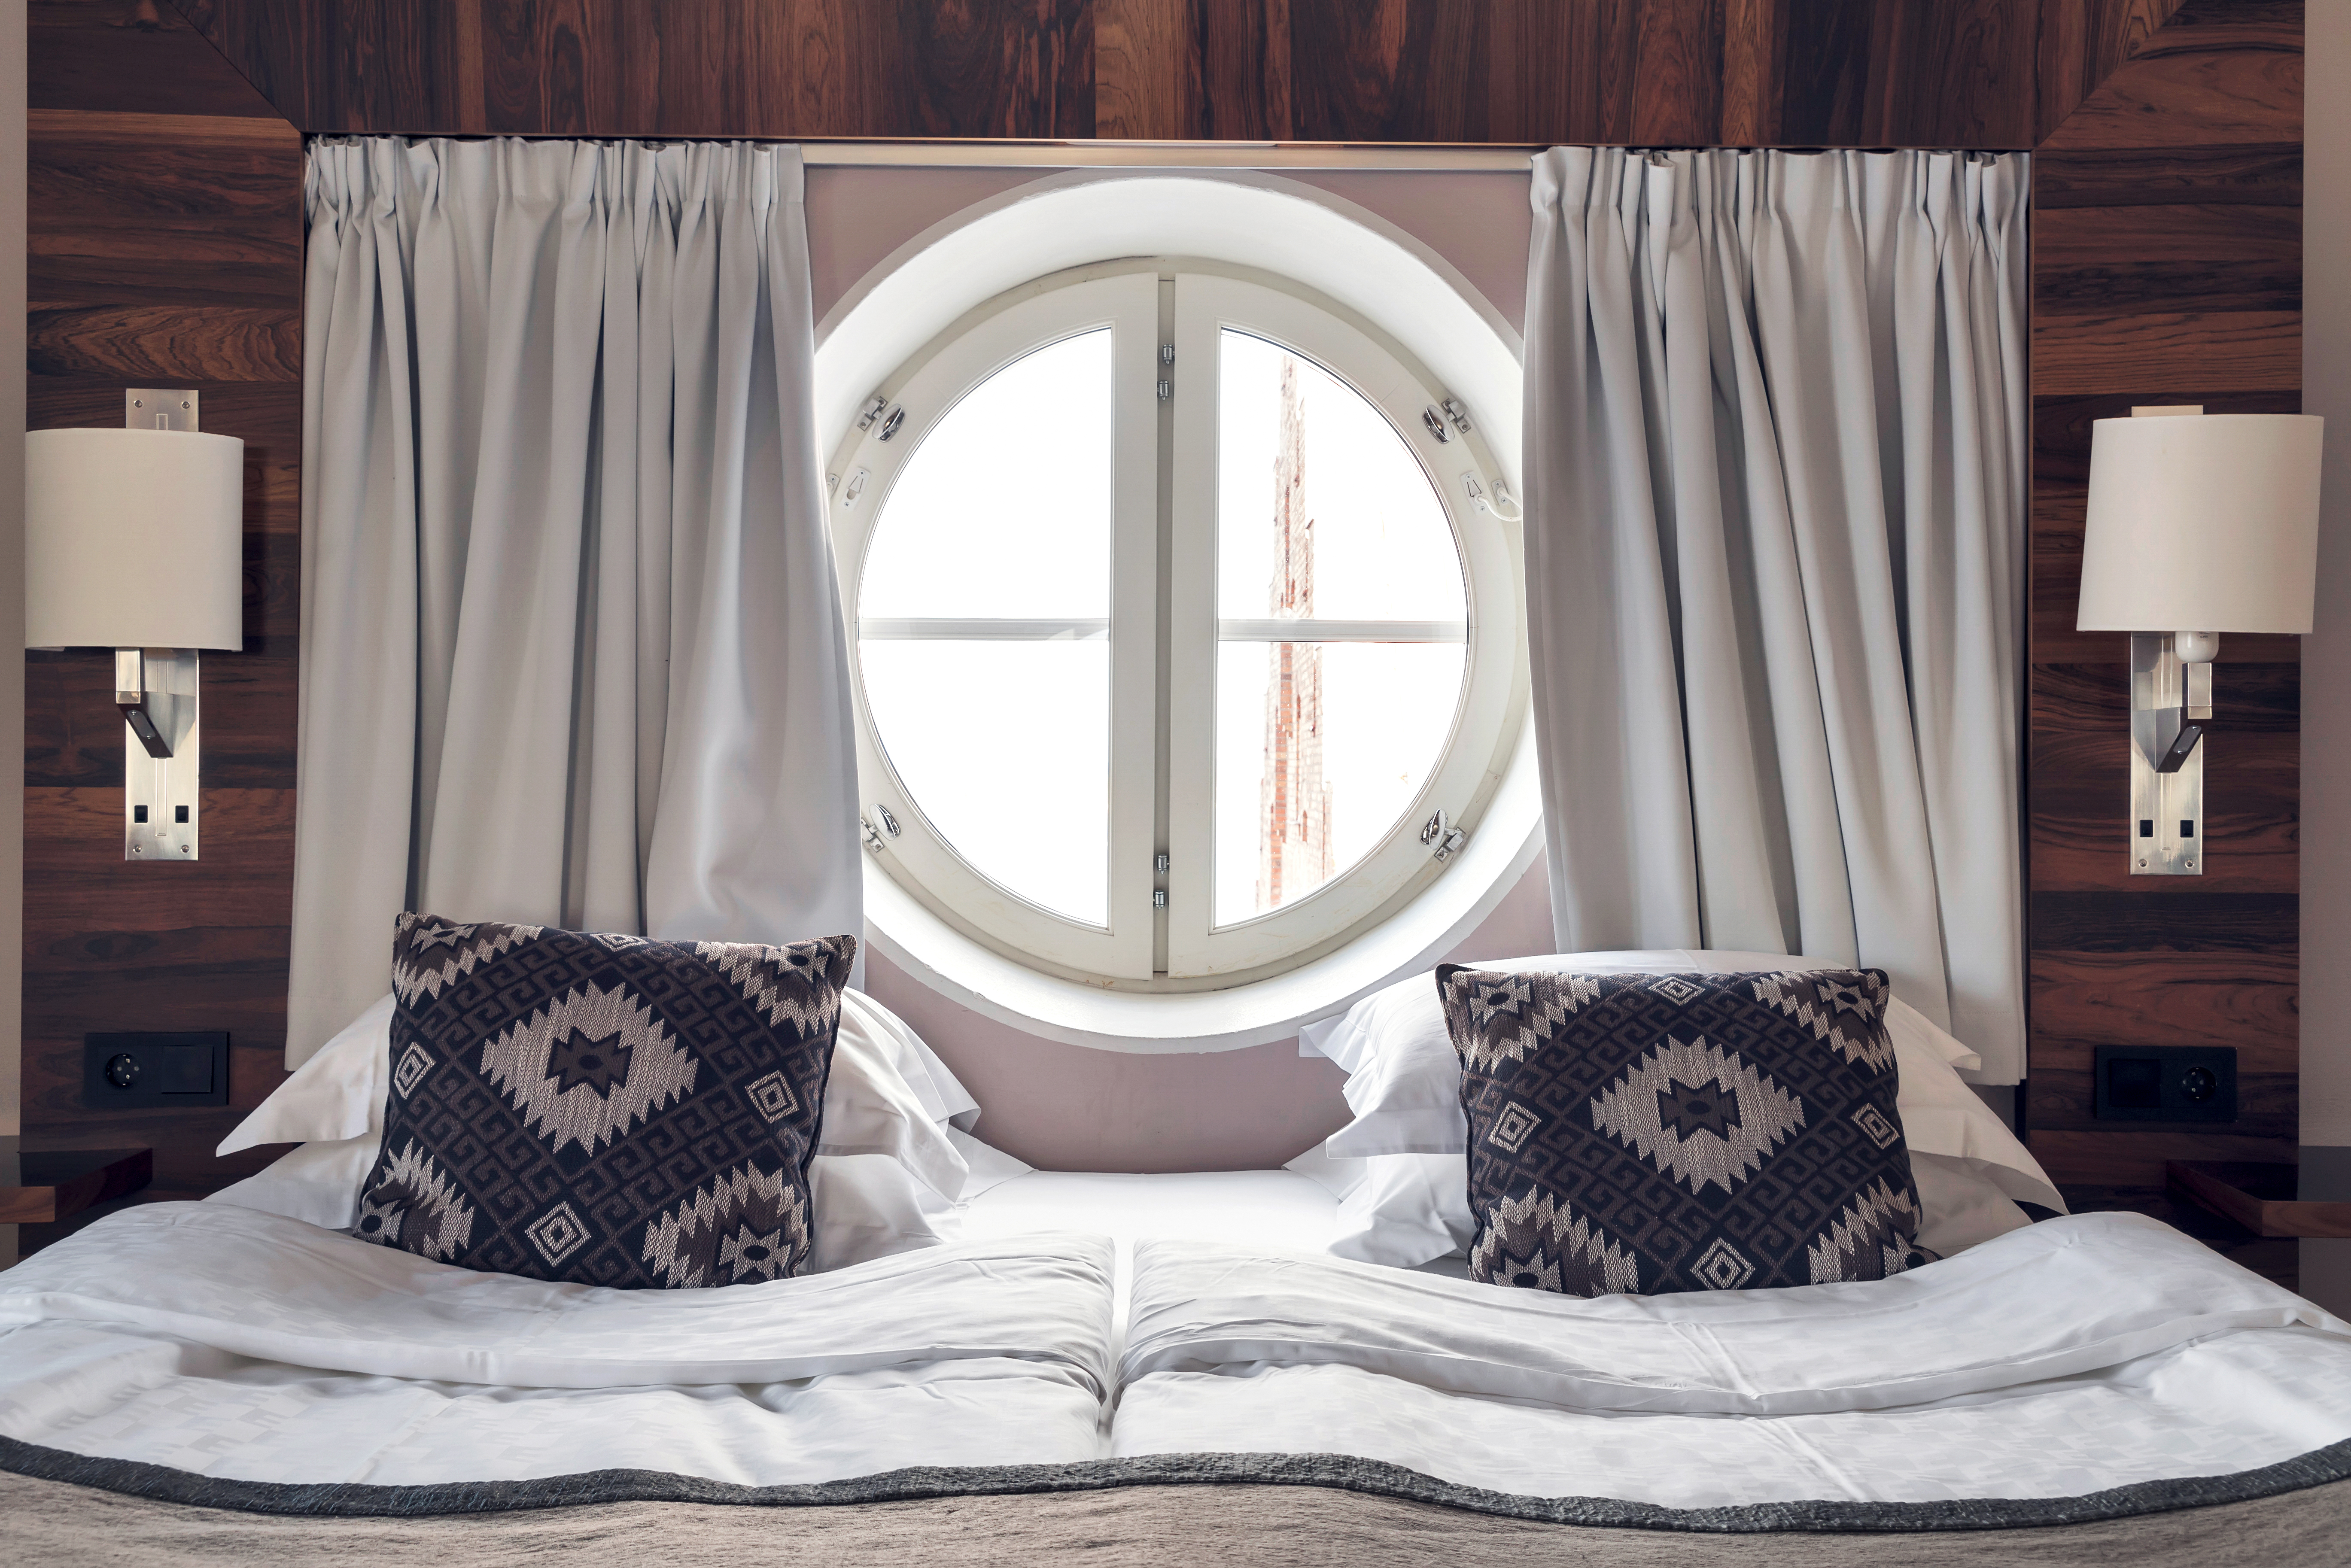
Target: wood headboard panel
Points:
(165, 238)
(2167, 269)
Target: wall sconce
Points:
(2198, 525)
(134, 541)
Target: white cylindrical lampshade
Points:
(2202, 523)
(133, 538)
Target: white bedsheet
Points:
(237, 1344)
(1259, 1211)
(2074, 1355)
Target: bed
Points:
(1158, 1368)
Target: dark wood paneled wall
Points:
(165, 242)
(165, 249)
(2167, 269)
(1969, 73)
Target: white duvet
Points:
(2072, 1356)
(280, 1352)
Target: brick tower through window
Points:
(1294, 833)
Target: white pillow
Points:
(1410, 1202)
(888, 1094)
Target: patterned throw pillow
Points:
(1654, 1133)
(604, 1110)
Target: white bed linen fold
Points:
(260, 1285)
(2070, 1295)
(233, 1343)
(2077, 1354)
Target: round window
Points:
(1184, 648)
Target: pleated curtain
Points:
(571, 646)
(1776, 451)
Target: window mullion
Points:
(1180, 384)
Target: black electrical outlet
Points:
(148, 1071)
(2167, 1084)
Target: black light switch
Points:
(149, 1071)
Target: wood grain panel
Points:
(2262, 175)
(164, 244)
(2154, 350)
(1241, 49)
(1146, 70)
(1689, 72)
(132, 57)
(2084, 42)
(2222, 71)
(2169, 915)
(1677, 92)
(2081, 1001)
(2167, 268)
(148, 345)
(2088, 261)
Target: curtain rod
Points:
(1091, 154)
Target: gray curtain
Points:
(571, 646)
(1776, 444)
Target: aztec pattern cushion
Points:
(603, 1110)
(1656, 1133)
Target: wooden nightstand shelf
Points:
(2261, 1198)
(56, 1183)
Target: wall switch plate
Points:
(154, 1072)
(2166, 1083)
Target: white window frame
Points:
(1472, 758)
(925, 392)
(1165, 459)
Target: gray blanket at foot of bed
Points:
(55, 1523)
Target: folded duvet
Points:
(2066, 1358)
(237, 1343)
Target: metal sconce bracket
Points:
(2171, 703)
(160, 809)
(156, 690)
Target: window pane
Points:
(1321, 747)
(1378, 546)
(1006, 746)
(1005, 510)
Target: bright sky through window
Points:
(1002, 519)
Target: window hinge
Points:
(1167, 353)
(1166, 390)
(872, 412)
(1158, 898)
(1458, 414)
(871, 834)
(1159, 863)
(1443, 838)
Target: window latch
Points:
(871, 835)
(1435, 423)
(1443, 838)
(873, 412)
(1458, 414)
